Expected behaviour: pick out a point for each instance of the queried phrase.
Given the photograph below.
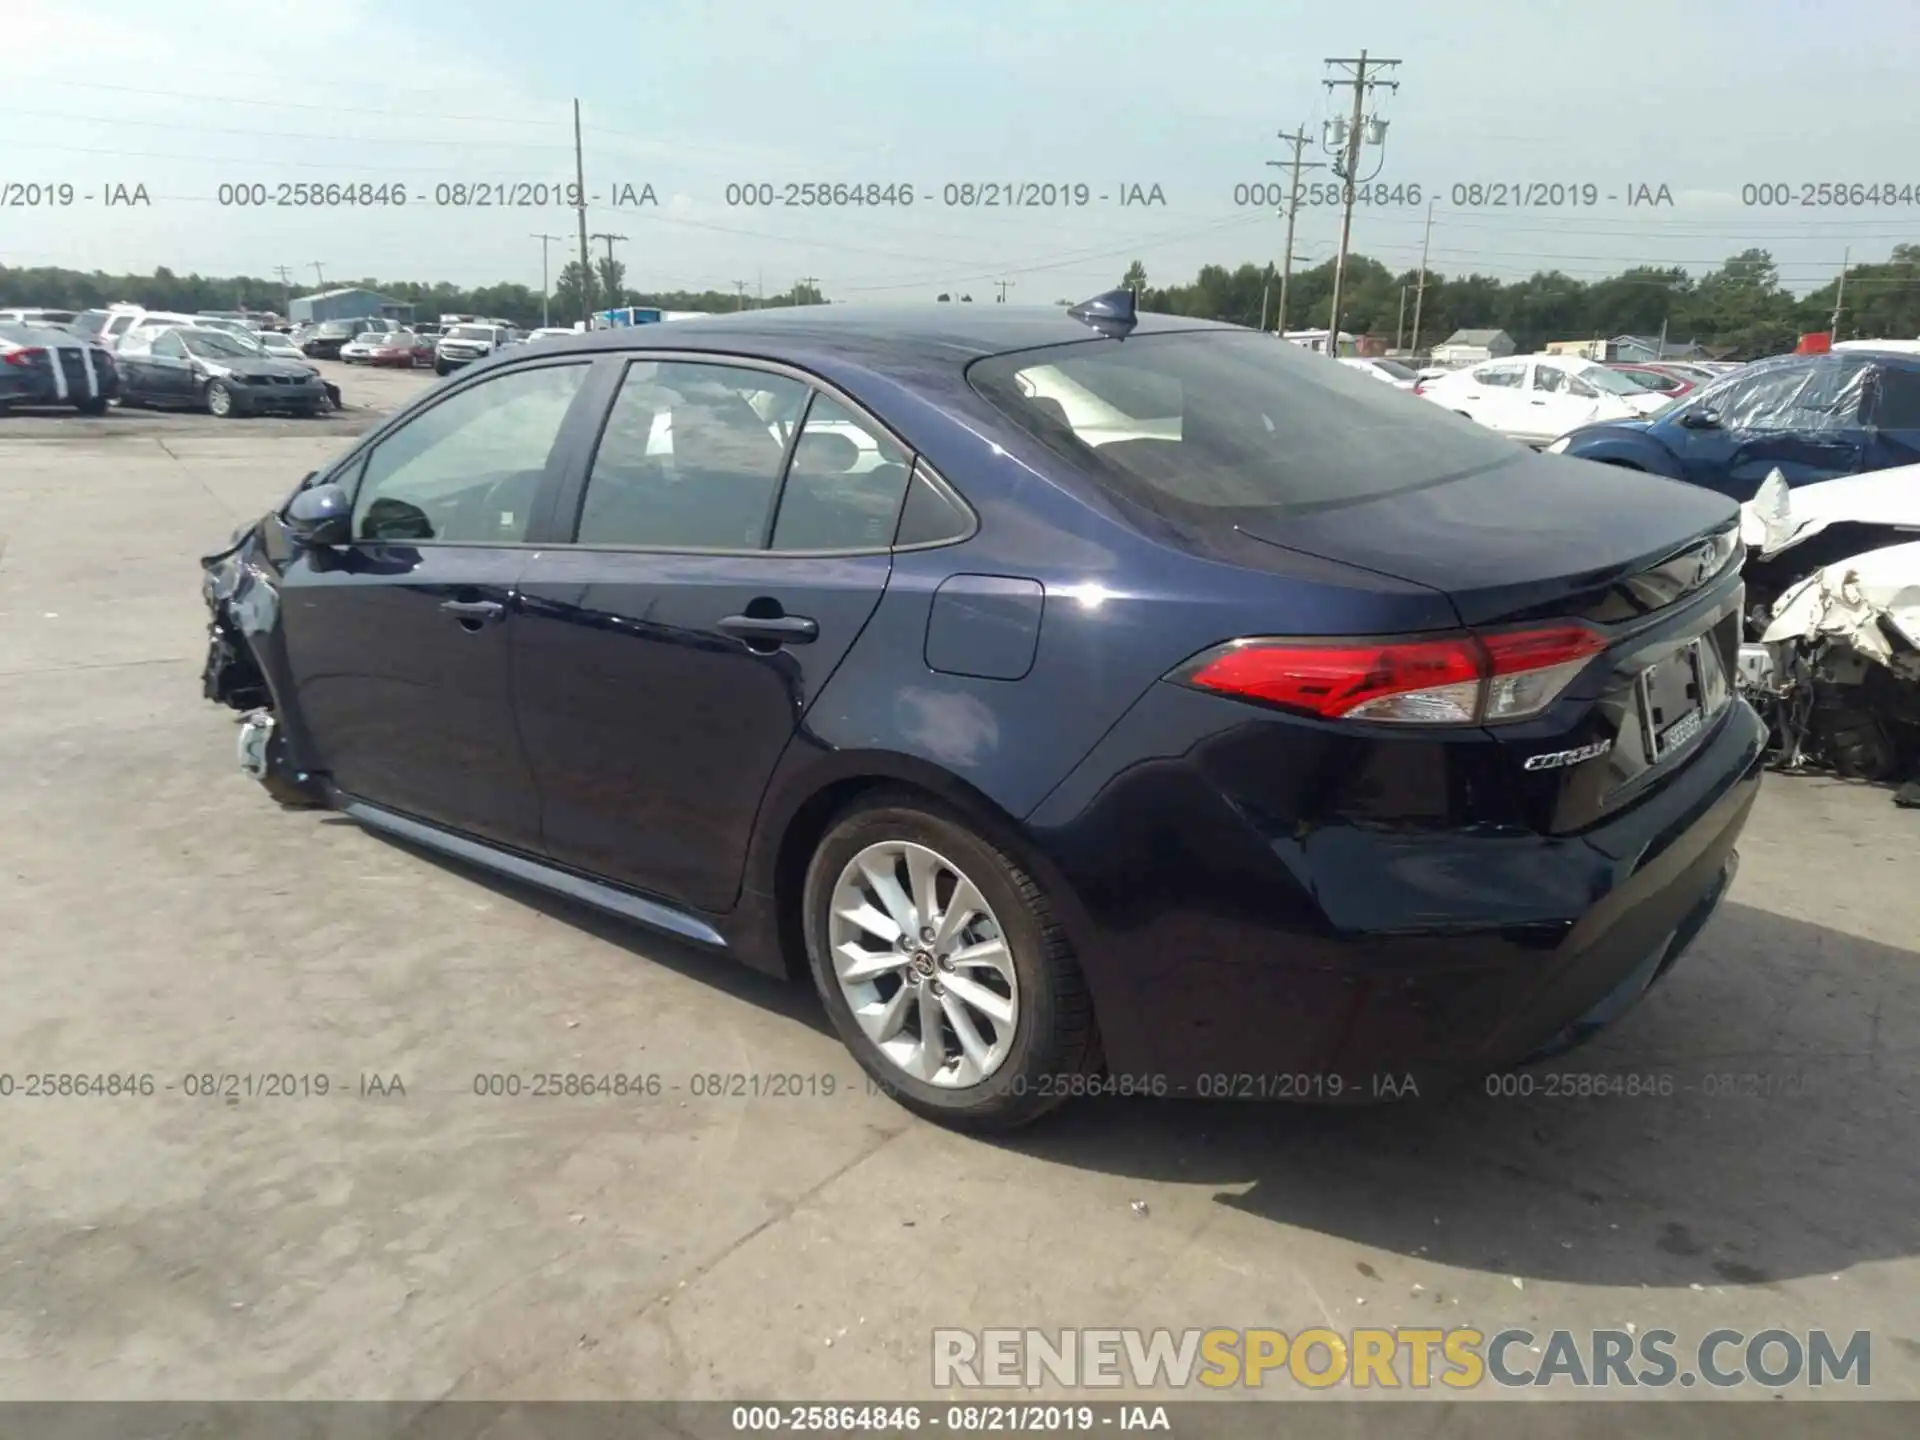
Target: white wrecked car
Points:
(1833, 657)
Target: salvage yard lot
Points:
(404, 1236)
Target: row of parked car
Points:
(445, 347)
(131, 356)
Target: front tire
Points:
(95, 406)
(943, 968)
(440, 369)
(220, 402)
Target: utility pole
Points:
(1297, 140)
(286, 291)
(319, 280)
(1005, 285)
(1266, 286)
(580, 205)
(1839, 295)
(812, 282)
(1420, 290)
(1348, 169)
(1400, 322)
(612, 293)
(546, 317)
(741, 287)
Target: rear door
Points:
(1492, 393)
(400, 642)
(731, 539)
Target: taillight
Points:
(1449, 680)
(1419, 387)
(23, 357)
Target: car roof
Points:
(876, 337)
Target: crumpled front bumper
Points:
(242, 600)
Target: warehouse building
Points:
(347, 303)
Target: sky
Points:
(1176, 105)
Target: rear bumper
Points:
(1230, 953)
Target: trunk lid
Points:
(1542, 537)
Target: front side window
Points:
(1896, 402)
(1553, 381)
(690, 458)
(468, 469)
(844, 485)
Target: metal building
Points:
(346, 303)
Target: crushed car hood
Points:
(1779, 518)
(1857, 600)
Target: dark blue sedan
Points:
(1090, 703)
(1813, 417)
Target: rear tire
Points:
(95, 406)
(1025, 1007)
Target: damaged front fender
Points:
(243, 600)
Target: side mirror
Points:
(1700, 420)
(321, 516)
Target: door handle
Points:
(466, 610)
(1536, 402)
(779, 629)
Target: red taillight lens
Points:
(24, 357)
(1450, 680)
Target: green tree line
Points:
(62, 289)
(1741, 305)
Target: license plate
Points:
(1672, 712)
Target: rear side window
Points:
(690, 458)
(1199, 423)
(844, 484)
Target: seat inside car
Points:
(830, 504)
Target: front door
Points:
(1804, 419)
(400, 642)
(727, 557)
(1554, 402)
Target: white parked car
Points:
(1538, 398)
(360, 349)
(1401, 377)
(552, 332)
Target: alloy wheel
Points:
(923, 964)
(219, 400)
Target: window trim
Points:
(568, 528)
(355, 461)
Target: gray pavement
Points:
(158, 916)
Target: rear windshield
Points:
(1197, 423)
(470, 332)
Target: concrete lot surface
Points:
(404, 1237)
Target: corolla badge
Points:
(1555, 759)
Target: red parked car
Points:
(402, 349)
(1669, 382)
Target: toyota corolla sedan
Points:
(1086, 702)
